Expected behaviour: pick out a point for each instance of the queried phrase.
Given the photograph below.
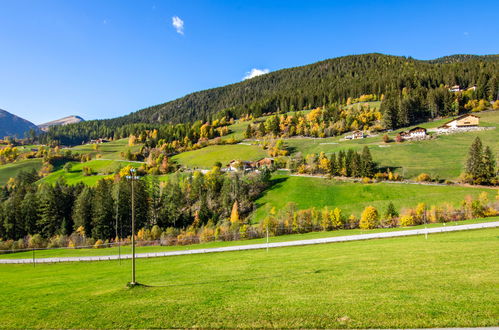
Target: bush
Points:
(423, 177)
(99, 244)
(386, 138)
(369, 218)
(407, 220)
(36, 241)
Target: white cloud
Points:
(178, 24)
(255, 73)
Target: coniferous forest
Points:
(414, 90)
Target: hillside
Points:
(12, 125)
(327, 82)
(62, 121)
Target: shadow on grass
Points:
(274, 184)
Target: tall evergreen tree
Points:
(82, 212)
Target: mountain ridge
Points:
(73, 119)
(14, 126)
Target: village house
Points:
(464, 122)
(417, 133)
(239, 165)
(455, 88)
(355, 135)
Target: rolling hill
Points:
(12, 125)
(326, 82)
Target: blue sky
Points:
(102, 59)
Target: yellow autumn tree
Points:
(234, 215)
(369, 218)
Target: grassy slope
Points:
(55, 253)
(206, 157)
(352, 197)
(108, 150)
(447, 281)
(443, 157)
(11, 170)
(102, 167)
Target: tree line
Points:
(60, 209)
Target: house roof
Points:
(460, 117)
(417, 129)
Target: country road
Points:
(264, 245)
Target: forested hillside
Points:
(328, 82)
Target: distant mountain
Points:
(12, 125)
(62, 121)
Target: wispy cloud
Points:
(466, 34)
(255, 73)
(178, 24)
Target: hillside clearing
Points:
(11, 170)
(353, 197)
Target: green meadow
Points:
(8, 171)
(205, 158)
(352, 197)
(449, 280)
(101, 168)
(107, 150)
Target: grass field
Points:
(206, 157)
(350, 197)
(59, 253)
(8, 171)
(108, 150)
(449, 280)
(103, 168)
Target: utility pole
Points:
(117, 217)
(133, 177)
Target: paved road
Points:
(264, 245)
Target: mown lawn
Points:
(205, 158)
(11, 170)
(449, 280)
(352, 198)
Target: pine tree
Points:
(82, 214)
(249, 132)
(489, 165)
(391, 212)
(475, 165)
(368, 165)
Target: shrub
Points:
(99, 244)
(407, 220)
(423, 177)
(369, 218)
(36, 241)
(386, 138)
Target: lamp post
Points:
(132, 177)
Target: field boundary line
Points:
(336, 239)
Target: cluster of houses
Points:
(247, 166)
(462, 123)
(457, 88)
(98, 141)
